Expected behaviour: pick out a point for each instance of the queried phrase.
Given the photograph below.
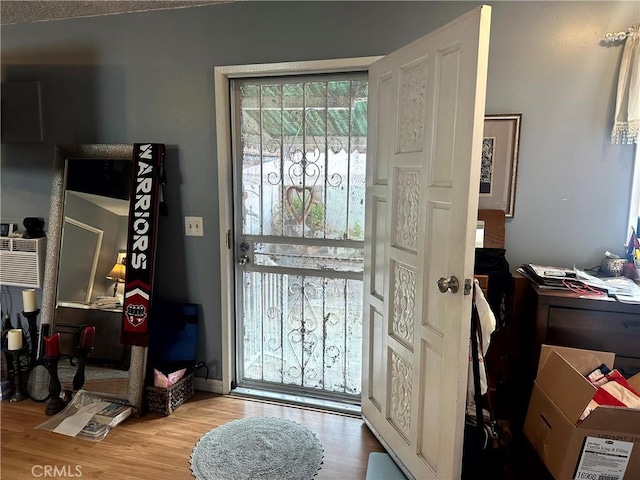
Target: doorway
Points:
(299, 149)
(425, 132)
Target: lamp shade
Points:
(117, 273)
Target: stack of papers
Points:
(623, 289)
(93, 430)
(547, 276)
(88, 415)
(112, 414)
(106, 303)
(93, 421)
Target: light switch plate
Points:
(193, 227)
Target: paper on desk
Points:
(72, 425)
(592, 281)
(623, 289)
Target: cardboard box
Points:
(606, 445)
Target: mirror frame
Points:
(62, 153)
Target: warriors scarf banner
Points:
(148, 159)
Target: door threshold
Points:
(317, 403)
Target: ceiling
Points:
(21, 11)
(114, 205)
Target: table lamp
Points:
(117, 273)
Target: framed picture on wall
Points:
(498, 174)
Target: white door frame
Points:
(221, 78)
(96, 256)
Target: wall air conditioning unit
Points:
(22, 261)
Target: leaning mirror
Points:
(84, 270)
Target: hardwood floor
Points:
(157, 447)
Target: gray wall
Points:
(148, 77)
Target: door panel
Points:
(376, 343)
(428, 98)
(383, 139)
(378, 255)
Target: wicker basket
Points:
(166, 400)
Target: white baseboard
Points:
(211, 385)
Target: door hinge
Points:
(229, 239)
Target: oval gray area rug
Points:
(257, 448)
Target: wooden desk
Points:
(562, 318)
(565, 319)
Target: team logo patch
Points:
(136, 314)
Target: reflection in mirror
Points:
(94, 233)
(87, 240)
(118, 275)
(79, 254)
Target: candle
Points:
(87, 336)
(14, 338)
(52, 346)
(29, 303)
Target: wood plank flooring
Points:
(157, 447)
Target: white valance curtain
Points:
(626, 126)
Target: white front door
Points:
(426, 112)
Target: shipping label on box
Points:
(603, 459)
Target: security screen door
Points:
(299, 180)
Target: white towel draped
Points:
(487, 326)
(626, 127)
